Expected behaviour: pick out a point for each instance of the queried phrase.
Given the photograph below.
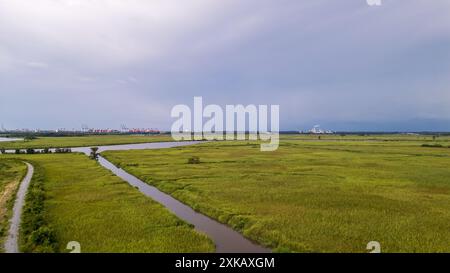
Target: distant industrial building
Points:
(317, 131)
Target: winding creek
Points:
(225, 238)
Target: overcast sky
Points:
(342, 64)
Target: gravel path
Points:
(12, 242)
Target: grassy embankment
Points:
(73, 198)
(83, 141)
(333, 195)
(11, 173)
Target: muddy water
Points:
(226, 239)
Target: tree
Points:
(29, 137)
(94, 155)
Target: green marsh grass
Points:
(313, 196)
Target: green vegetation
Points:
(81, 141)
(11, 173)
(194, 160)
(73, 198)
(94, 154)
(434, 145)
(36, 235)
(330, 195)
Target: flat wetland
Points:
(330, 195)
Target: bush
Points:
(29, 137)
(35, 234)
(194, 160)
(3, 151)
(30, 151)
(44, 236)
(62, 150)
(17, 151)
(434, 145)
(94, 153)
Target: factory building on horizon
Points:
(317, 131)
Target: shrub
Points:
(94, 153)
(44, 236)
(29, 137)
(434, 145)
(30, 151)
(36, 235)
(194, 160)
(3, 151)
(62, 150)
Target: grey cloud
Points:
(37, 65)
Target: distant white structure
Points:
(84, 128)
(124, 128)
(317, 130)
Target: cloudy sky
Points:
(342, 64)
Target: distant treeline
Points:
(435, 145)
